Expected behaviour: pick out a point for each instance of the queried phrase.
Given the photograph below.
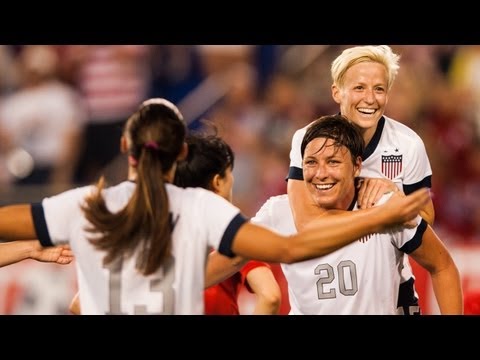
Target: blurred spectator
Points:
(113, 80)
(41, 121)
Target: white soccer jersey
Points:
(201, 219)
(357, 279)
(395, 152)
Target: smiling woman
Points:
(332, 159)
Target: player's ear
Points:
(358, 166)
(336, 93)
(183, 153)
(216, 183)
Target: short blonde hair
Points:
(381, 54)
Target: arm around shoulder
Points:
(326, 233)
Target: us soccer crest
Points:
(391, 165)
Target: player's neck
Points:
(132, 174)
(348, 202)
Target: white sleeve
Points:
(418, 168)
(276, 215)
(295, 169)
(408, 240)
(405, 239)
(295, 150)
(220, 219)
(60, 213)
(264, 215)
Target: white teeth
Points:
(368, 111)
(323, 187)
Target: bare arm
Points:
(221, 267)
(428, 213)
(16, 223)
(16, 251)
(268, 295)
(435, 258)
(327, 233)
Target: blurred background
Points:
(62, 109)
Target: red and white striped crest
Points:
(391, 165)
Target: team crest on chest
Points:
(392, 165)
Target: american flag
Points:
(391, 165)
